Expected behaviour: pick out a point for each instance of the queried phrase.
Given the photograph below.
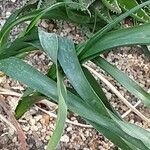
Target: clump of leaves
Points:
(86, 98)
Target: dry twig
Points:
(47, 103)
(4, 91)
(67, 120)
(13, 120)
(3, 119)
(127, 112)
(117, 93)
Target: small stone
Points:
(14, 139)
(29, 132)
(26, 128)
(148, 129)
(28, 116)
(138, 124)
(37, 118)
(47, 137)
(33, 111)
(83, 137)
(34, 128)
(43, 130)
(51, 27)
(4, 139)
(45, 120)
(11, 131)
(109, 95)
(69, 129)
(32, 122)
(131, 121)
(13, 1)
(86, 149)
(130, 56)
(52, 126)
(45, 147)
(73, 118)
(8, 14)
(44, 24)
(39, 125)
(64, 139)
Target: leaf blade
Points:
(75, 103)
(124, 80)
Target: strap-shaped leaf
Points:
(39, 15)
(97, 88)
(86, 3)
(49, 42)
(36, 80)
(21, 45)
(25, 103)
(139, 35)
(62, 114)
(10, 21)
(96, 37)
(124, 80)
(146, 51)
(69, 62)
(54, 13)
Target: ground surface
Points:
(38, 126)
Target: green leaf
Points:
(112, 5)
(52, 72)
(86, 3)
(124, 80)
(97, 88)
(69, 62)
(53, 13)
(25, 103)
(140, 15)
(21, 45)
(14, 19)
(146, 51)
(123, 144)
(139, 35)
(96, 37)
(49, 42)
(62, 114)
(30, 76)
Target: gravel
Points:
(38, 126)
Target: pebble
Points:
(43, 130)
(33, 111)
(32, 122)
(86, 149)
(69, 129)
(26, 128)
(109, 95)
(14, 139)
(13, 1)
(11, 132)
(44, 24)
(47, 138)
(123, 61)
(38, 117)
(65, 138)
(8, 14)
(34, 128)
(4, 139)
